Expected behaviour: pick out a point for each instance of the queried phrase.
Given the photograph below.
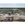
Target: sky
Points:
(16, 5)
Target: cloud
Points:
(12, 5)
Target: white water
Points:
(15, 15)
